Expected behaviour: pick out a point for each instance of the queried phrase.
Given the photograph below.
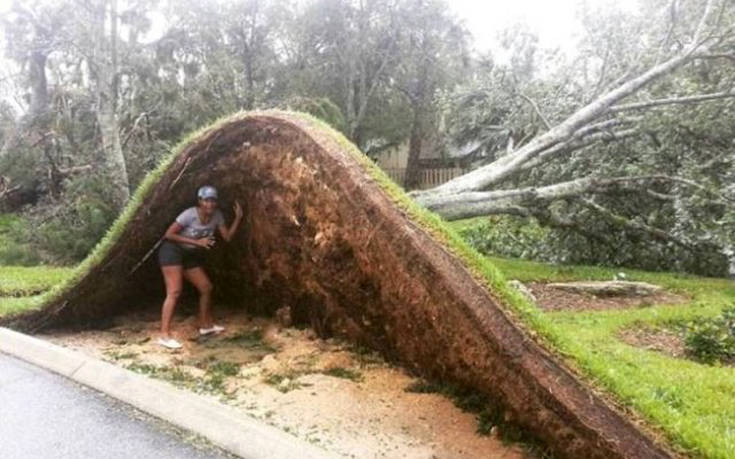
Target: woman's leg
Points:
(199, 278)
(172, 276)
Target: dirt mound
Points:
(553, 299)
(322, 237)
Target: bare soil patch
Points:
(346, 400)
(662, 340)
(552, 299)
(667, 341)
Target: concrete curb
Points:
(220, 424)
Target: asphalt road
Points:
(44, 415)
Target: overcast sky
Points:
(555, 21)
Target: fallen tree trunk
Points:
(575, 130)
(324, 238)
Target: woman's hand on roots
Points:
(206, 242)
(238, 210)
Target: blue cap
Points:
(207, 192)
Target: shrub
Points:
(74, 227)
(507, 237)
(712, 340)
(516, 237)
(13, 251)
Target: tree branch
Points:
(717, 56)
(672, 101)
(549, 218)
(619, 220)
(537, 110)
(479, 203)
(573, 145)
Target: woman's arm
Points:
(172, 234)
(226, 232)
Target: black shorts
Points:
(172, 254)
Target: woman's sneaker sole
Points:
(213, 330)
(169, 343)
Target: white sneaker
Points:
(169, 343)
(210, 330)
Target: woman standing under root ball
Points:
(182, 256)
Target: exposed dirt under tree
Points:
(322, 237)
(344, 399)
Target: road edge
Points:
(222, 425)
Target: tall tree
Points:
(33, 32)
(432, 51)
(344, 50)
(104, 70)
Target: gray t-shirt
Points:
(193, 228)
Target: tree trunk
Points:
(40, 116)
(39, 85)
(113, 160)
(413, 164)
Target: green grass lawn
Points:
(693, 404)
(21, 286)
(27, 280)
(10, 305)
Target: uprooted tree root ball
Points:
(322, 237)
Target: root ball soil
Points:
(324, 238)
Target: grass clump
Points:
(344, 373)
(224, 368)
(115, 355)
(247, 339)
(274, 379)
(212, 383)
(284, 382)
(425, 387)
(366, 357)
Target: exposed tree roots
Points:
(322, 237)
